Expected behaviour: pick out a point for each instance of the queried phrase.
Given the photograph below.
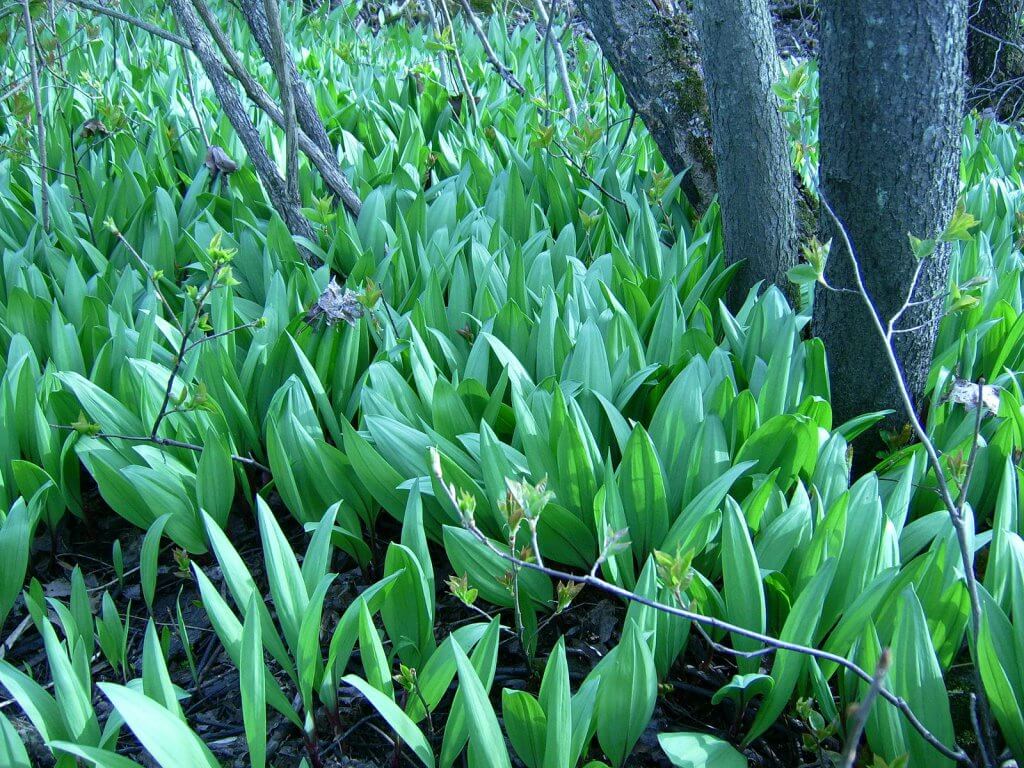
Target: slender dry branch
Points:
(582, 171)
(135, 21)
(317, 148)
(973, 456)
(492, 57)
(297, 223)
(556, 45)
(956, 511)
(193, 101)
(441, 60)
(165, 442)
(40, 106)
(305, 108)
(863, 711)
(282, 68)
(776, 643)
(183, 349)
(325, 163)
(467, 90)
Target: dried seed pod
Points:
(218, 162)
(94, 127)
(970, 394)
(335, 305)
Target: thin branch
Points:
(909, 301)
(709, 621)
(153, 29)
(280, 65)
(183, 348)
(581, 169)
(326, 164)
(192, 97)
(466, 88)
(955, 511)
(973, 456)
(556, 45)
(441, 59)
(492, 57)
(37, 98)
(271, 180)
(75, 163)
(863, 711)
(149, 276)
(165, 442)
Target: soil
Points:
(362, 739)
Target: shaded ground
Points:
(214, 709)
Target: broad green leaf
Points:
(252, 674)
(625, 700)
(525, 724)
(484, 733)
(786, 669)
(406, 729)
(169, 740)
(743, 590)
(700, 750)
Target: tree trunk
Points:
(994, 52)
(755, 180)
(891, 104)
(273, 184)
(655, 58)
(305, 109)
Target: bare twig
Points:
(492, 57)
(863, 711)
(467, 90)
(192, 97)
(297, 223)
(435, 24)
(314, 148)
(153, 29)
(282, 68)
(973, 456)
(183, 348)
(40, 106)
(582, 170)
(776, 643)
(325, 163)
(556, 45)
(956, 511)
(75, 163)
(165, 442)
(149, 276)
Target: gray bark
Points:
(994, 52)
(891, 103)
(305, 109)
(655, 58)
(755, 179)
(273, 184)
(287, 79)
(325, 162)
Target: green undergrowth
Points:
(536, 302)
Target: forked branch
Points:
(592, 580)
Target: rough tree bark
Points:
(891, 84)
(326, 162)
(273, 184)
(755, 178)
(287, 84)
(994, 52)
(655, 58)
(305, 110)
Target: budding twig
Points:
(955, 753)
